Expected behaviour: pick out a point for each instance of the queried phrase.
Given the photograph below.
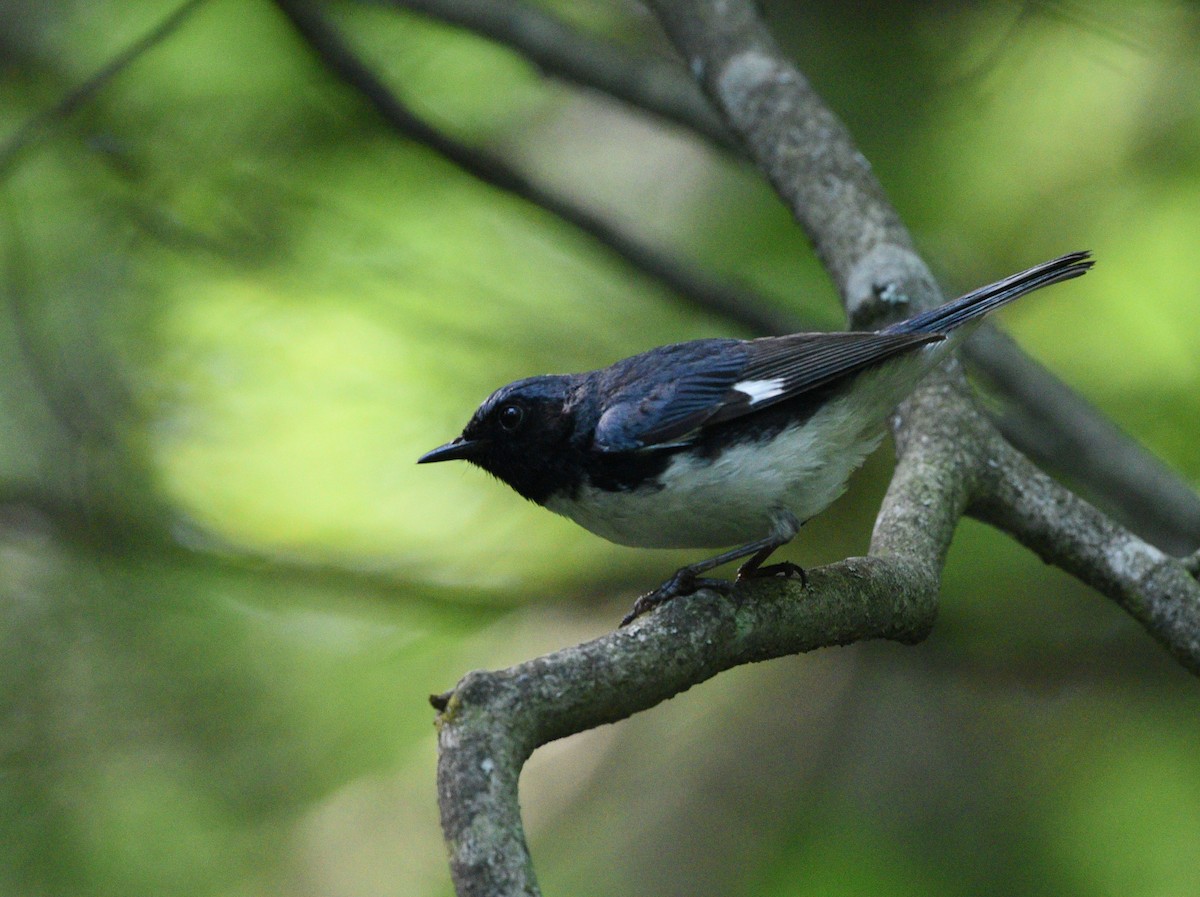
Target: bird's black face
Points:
(521, 435)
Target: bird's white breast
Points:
(732, 498)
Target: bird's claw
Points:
(784, 569)
(684, 582)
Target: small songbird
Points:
(718, 442)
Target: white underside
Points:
(734, 498)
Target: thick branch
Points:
(804, 150)
(495, 720)
(810, 158)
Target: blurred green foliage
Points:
(237, 308)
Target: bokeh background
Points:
(236, 308)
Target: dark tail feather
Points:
(978, 303)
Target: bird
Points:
(719, 442)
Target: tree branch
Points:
(810, 158)
(494, 721)
(1160, 592)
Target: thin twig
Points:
(43, 121)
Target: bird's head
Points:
(521, 434)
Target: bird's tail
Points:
(978, 303)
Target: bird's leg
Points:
(754, 569)
(688, 579)
(685, 581)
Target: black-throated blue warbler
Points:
(718, 442)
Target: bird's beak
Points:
(456, 450)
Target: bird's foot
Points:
(684, 582)
(784, 569)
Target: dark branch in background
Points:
(642, 80)
(1047, 419)
(41, 123)
(1055, 426)
(684, 280)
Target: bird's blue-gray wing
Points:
(652, 399)
(718, 380)
(785, 367)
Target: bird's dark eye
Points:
(510, 417)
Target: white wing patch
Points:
(760, 390)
